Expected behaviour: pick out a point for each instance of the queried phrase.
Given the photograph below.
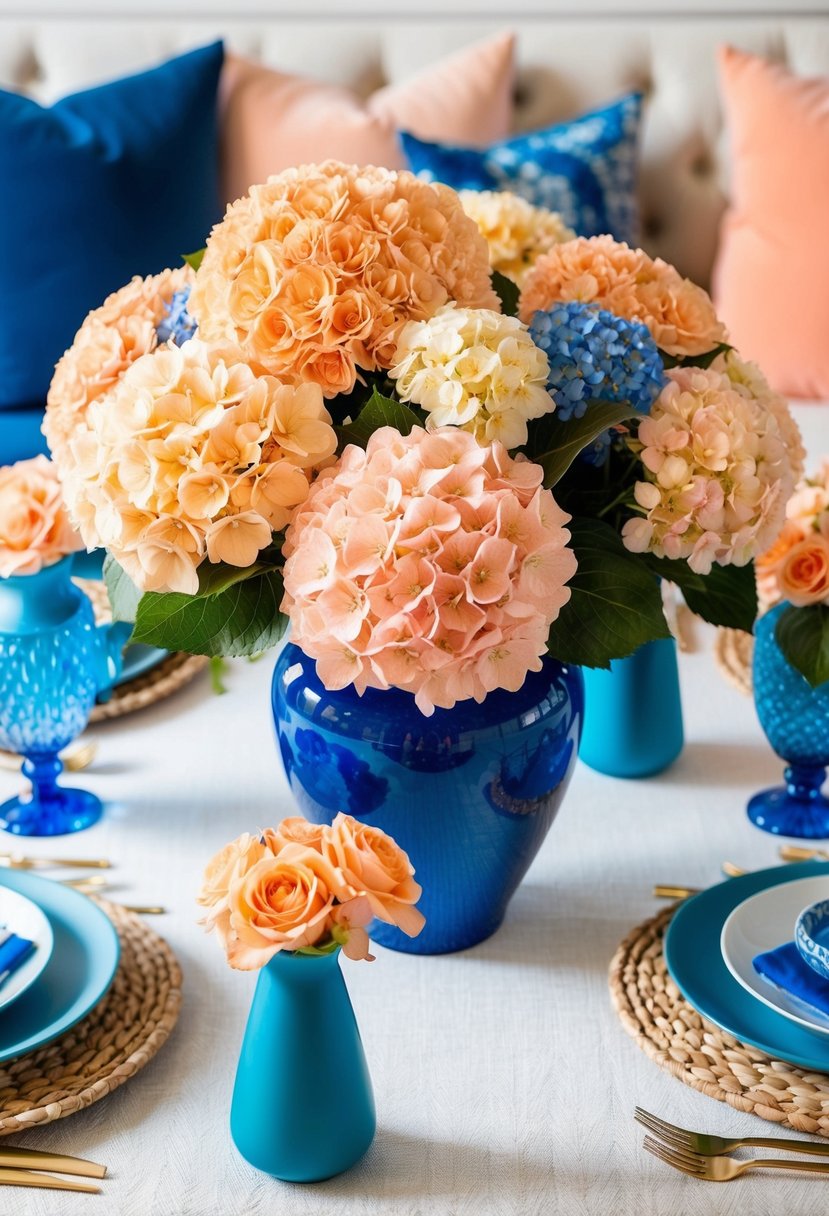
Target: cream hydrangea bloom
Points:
(516, 232)
(192, 457)
(474, 369)
(718, 469)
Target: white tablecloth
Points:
(504, 1081)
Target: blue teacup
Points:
(811, 936)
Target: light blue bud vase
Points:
(633, 713)
(303, 1108)
(54, 661)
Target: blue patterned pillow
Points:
(584, 169)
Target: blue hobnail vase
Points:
(54, 661)
(303, 1107)
(795, 719)
(469, 793)
(633, 713)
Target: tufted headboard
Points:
(566, 64)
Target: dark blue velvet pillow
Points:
(116, 181)
(585, 169)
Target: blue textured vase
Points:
(54, 660)
(469, 793)
(303, 1108)
(795, 719)
(633, 713)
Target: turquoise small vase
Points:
(54, 661)
(303, 1107)
(633, 713)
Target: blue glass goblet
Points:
(795, 719)
(54, 661)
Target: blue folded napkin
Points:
(785, 969)
(13, 951)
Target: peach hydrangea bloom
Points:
(313, 273)
(516, 232)
(718, 473)
(429, 563)
(599, 270)
(476, 369)
(35, 529)
(304, 885)
(192, 456)
(110, 339)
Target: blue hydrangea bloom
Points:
(595, 355)
(176, 324)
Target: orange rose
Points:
(295, 830)
(229, 864)
(282, 903)
(765, 566)
(374, 865)
(803, 574)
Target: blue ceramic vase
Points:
(633, 713)
(303, 1108)
(469, 793)
(54, 661)
(795, 719)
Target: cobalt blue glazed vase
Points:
(303, 1107)
(633, 713)
(795, 719)
(54, 660)
(469, 793)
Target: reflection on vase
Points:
(795, 719)
(469, 793)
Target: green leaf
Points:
(727, 596)
(704, 360)
(507, 292)
(122, 591)
(328, 948)
(218, 667)
(615, 604)
(555, 445)
(803, 636)
(242, 618)
(377, 412)
(194, 259)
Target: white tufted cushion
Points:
(566, 65)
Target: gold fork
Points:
(680, 1138)
(723, 1169)
(796, 852)
(76, 757)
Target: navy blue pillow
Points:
(116, 181)
(584, 169)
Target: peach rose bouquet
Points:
(795, 570)
(35, 529)
(308, 889)
(340, 415)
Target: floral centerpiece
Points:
(35, 528)
(284, 902)
(340, 416)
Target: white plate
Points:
(24, 918)
(764, 922)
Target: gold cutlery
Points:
(731, 871)
(9, 1177)
(90, 882)
(681, 1139)
(16, 861)
(75, 758)
(29, 1158)
(795, 852)
(146, 909)
(666, 891)
(724, 1169)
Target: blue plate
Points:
(694, 959)
(138, 659)
(79, 972)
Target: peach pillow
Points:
(771, 280)
(272, 120)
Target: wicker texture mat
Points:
(672, 1033)
(109, 1045)
(733, 652)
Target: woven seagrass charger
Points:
(670, 1031)
(107, 1047)
(733, 652)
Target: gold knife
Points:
(46, 1181)
(29, 1158)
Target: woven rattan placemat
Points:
(672, 1033)
(733, 652)
(121, 1034)
(154, 685)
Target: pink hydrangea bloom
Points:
(430, 563)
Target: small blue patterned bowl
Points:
(811, 936)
